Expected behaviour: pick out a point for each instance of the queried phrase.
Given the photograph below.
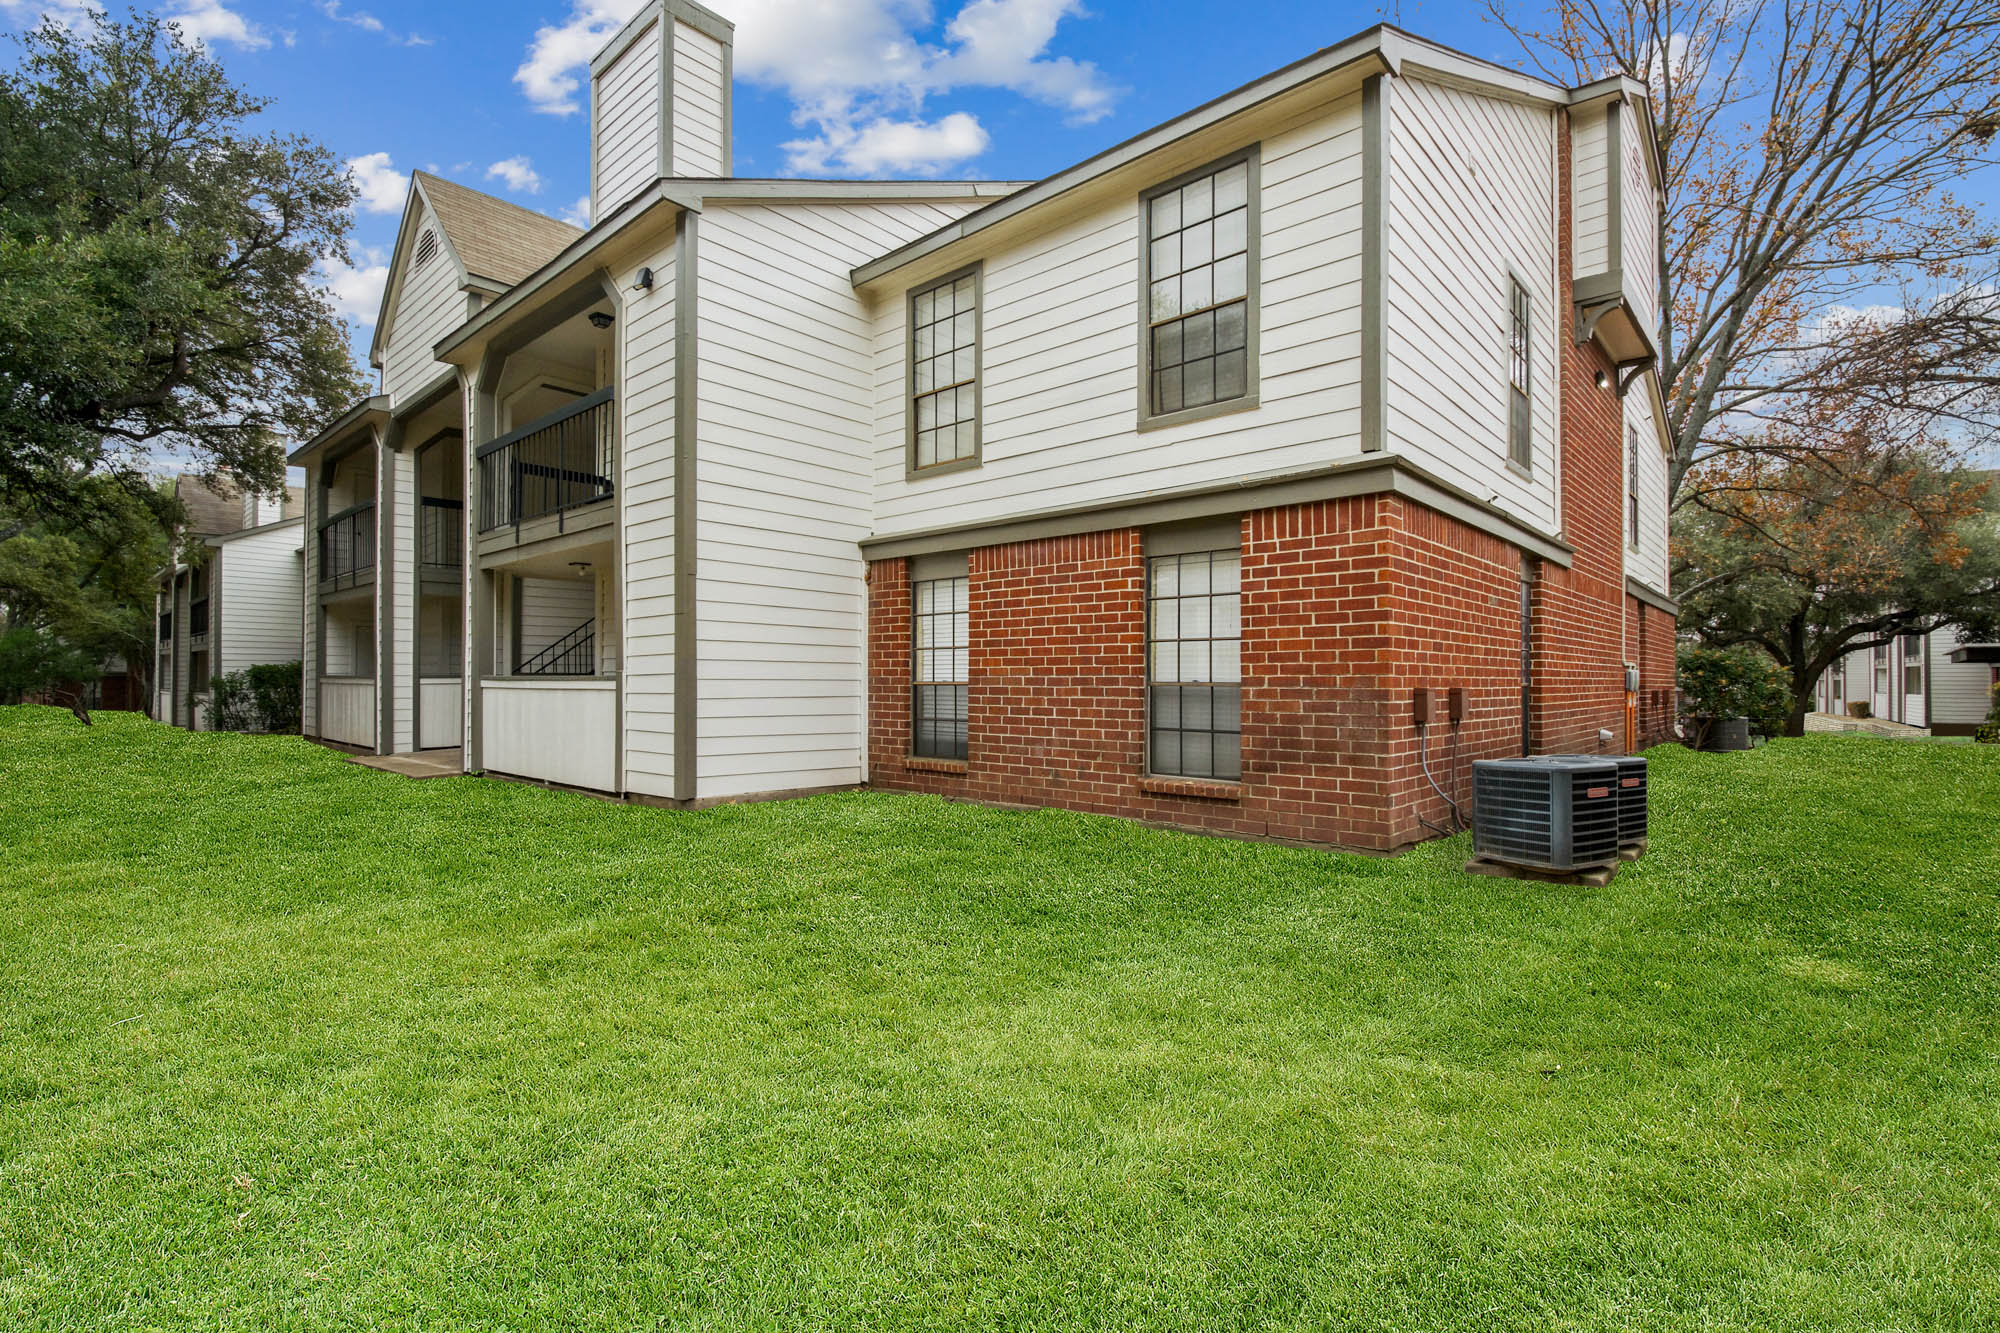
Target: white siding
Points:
(646, 500)
(555, 731)
(429, 305)
(1590, 191)
(1648, 564)
(1961, 692)
(551, 608)
(258, 597)
(1471, 190)
(400, 474)
(626, 114)
(347, 710)
(308, 612)
(1060, 352)
(783, 488)
(1640, 223)
(439, 720)
(700, 104)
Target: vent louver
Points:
(427, 248)
(1555, 812)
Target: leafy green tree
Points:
(33, 660)
(157, 263)
(86, 580)
(1810, 561)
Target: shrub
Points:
(263, 698)
(1988, 732)
(1735, 682)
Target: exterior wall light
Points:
(600, 320)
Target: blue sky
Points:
(488, 92)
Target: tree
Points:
(1814, 558)
(1812, 240)
(85, 582)
(33, 660)
(156, 267)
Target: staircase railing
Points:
(574, 654)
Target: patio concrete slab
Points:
(422, 764)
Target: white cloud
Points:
(63, 13)
(357, 289)
(519, 173)
(857, 71)
(367, 22)
(888, 146)
(382, 187)
(578, 213)
(213, 21)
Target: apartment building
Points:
(1176, 485)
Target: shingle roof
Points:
(498, 241)
(213, 508)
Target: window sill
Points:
(1207, 789)
(912, 472)
(917, 763)
(1521, 470)
(1163, 420)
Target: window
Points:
(1194, 674)
(1881, 668)
(1199, 277)
(1520, 448)
(1632, 485)
(1913, 664)
(944, 372)
(941, 626)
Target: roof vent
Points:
(427, 247)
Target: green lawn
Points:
(289, 1043)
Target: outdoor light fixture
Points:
(1603, 380)
(644, 282)
(600, 320)
(582, 567)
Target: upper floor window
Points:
(1194, 664)
(1881, 668)
(1913, 664)
(1520, 447)
(1199, 288)
(1632, 484)
(944, 372)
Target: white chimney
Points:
(659, 102)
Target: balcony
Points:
(198, 621)
(440, 533)
(166, 627)
(347, 548)
(538, 481)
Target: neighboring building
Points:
(1156, 488)
(234, 606)
(1939, 681)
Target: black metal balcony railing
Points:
(347, 547)
(197, 617)
(440, 531)
(557, 463)
(574, 654)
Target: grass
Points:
(286, 1043)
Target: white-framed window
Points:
(1913, 664)
(1520, 368)
(944, 373)
(1194, 673)
(1881, 663)
(940, 644)
(1198, 288)
(1632, 485)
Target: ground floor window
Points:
(941, 639)
(1194, 664)
(1913, 664)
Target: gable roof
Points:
(498, 241)
(492, 243)
(212, 507)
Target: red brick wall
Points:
(1348, 605)
(1580, 629)
(1649, 641)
